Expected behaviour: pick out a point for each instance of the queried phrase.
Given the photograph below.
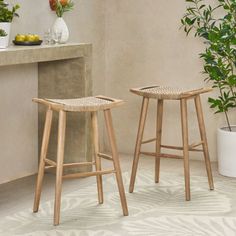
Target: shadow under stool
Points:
(161, 93)
(63, 106)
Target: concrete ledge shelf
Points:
(30, 54)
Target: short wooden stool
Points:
(161, 93)
(63, 106)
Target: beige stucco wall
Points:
(144, 46)
(18, 139)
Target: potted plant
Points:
(219, 57)
(60, 29)
(3, 39)
(7, 14)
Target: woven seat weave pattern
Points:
(81, 102)
(165, 90)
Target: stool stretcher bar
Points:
(162, 155)
(50, 162)
(191, 146)
(54, 164)
(105, 156)
(88, 174)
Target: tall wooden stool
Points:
(63, 106)
(167, 93)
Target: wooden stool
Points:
(167, 93)
(87, 104)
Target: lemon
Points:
(29, 38)
(36, 37)
(20, 38)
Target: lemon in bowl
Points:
(20, 38)
(31, 38)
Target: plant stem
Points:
(226, 114)
(227, 120)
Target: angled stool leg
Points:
(158, 136)
(43, 154)
(111, 135)
(184, 122)
(97, 158)
(142, 121)
(59, 170)
(202, 129)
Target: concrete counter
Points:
(58, 71)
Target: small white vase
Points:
(4, 41)
(226, 149)
(60, 26)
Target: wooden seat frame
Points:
(186, 147)
(46, 163)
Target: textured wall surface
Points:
(145, 46)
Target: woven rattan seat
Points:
(166, 92)
(82, 104)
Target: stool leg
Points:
(139, 138)
(202, 129)
(59, 169)
(97, 158)
(184, 122)
(111, 135)
(43, 154)
(158, 136)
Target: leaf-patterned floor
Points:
(155, 209)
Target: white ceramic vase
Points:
(61, 27)
(226, 150)
(4, 41)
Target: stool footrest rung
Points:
(162, 155)
(50, 162)
(149, 141)
(79, 164)
(105, 156)
(196, 144)
(54, 164)
(88, 174)
(190, 148)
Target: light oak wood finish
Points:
(141, 126)
(88, 174)
(111, 136)
(44, 148)
(105, 156)
(97, 157)
(162, 155)
(59, 170)
(50, 162)
(191, 146)
(202, 129)
(87, 104)
(184, 123)
(67, 165)
(160, 105)
(161, 93)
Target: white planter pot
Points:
(226, 149)
(60, 26)
(4, 41)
